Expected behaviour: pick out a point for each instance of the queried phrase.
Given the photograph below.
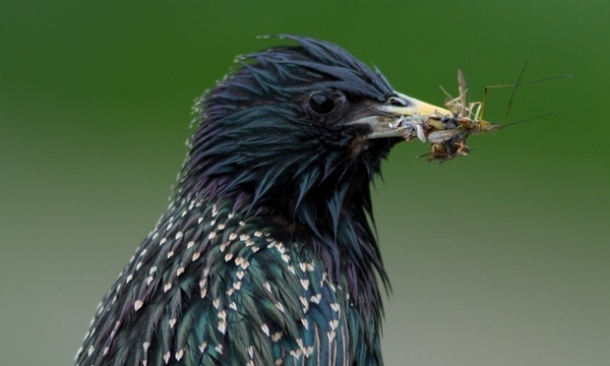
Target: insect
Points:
(448, 129)
(448, 133)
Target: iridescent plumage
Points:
(266, 254)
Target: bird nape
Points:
(265, 255)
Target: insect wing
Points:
(463, 91)
(437, 137)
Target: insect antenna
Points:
(515, 86)
(525, 120)
(512, 96)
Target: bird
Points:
(267, 253)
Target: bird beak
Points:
(388, 119)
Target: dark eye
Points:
(321, 103)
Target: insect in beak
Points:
(448, 133)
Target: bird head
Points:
(294, 137)
(295, 124)
(297, 133)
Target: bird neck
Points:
(332, 221)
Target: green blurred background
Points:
(500, 258)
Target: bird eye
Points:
(321, 103)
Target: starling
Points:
(266, 254)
